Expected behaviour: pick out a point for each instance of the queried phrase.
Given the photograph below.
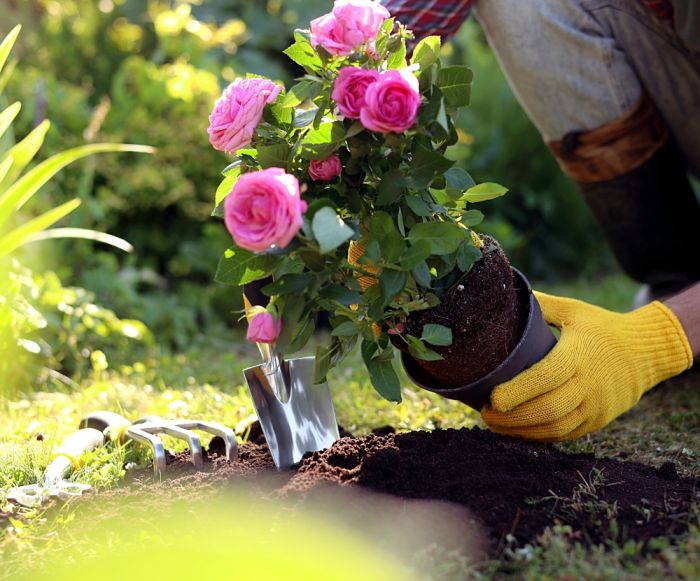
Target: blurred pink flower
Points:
(262, 327)
(324, 170)
(238, 111)
(349, 90)
(264, 209)
(348, 26)
(391, 102)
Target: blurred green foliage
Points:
(149, 72)
(60, 332)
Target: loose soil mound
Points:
(509, 486)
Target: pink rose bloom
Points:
(264, 209)
(348, 26)
(324, 170)
(349, 90)
(391, 103)
(238, 111)
(263, 328)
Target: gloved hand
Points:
(599, 369)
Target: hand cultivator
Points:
(94, 430)
(146, 429)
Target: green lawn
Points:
(205, 382)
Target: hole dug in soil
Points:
(508, 486)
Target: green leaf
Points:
(397, 60)
(345, 329)
(392, 283)
(289, 283)
(324, 361)
(417, 348)
(329, 229)
(7, 44)
(278, 114)
(437, 335)
(5, 167)
(23, 152)
(426, 165)
(393, 246)
(427, 52)
(381, 372)
(17, 237)
(421, 274)
(472, 218)
(455, 84)
(483, 192)
(238, 266)
(302, 53)
(304, 118)
(23, 189)
(291, 312)
(341, 294)
(226, 185)
(83, 233)
(443, 237)
(8, 116)
(415, 254)
(418, 206)
(273, 155)
(391, 187)
(384, 379)
(458, 181)
(322, 142)
(467, 255)
(299, 93)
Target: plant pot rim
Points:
(536, 341)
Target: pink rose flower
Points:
(392, 102)
(263, 328)
(264, 209)
(349, 90)
(238, 111)
(348, 26)
(324, 170)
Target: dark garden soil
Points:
(485, 316)
(508, 486)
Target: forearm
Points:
(686, 306)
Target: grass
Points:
(205, 382)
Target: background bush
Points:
(149, 72)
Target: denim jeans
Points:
(577, 65)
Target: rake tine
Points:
(155, 443)
(166, 427)
(226, 434)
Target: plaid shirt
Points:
(444, 17)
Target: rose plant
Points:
(352, 157)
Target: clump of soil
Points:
(486, 317)
(508, 486)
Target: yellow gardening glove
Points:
(599, 369)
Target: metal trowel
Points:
(296, 415)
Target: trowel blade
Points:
(305, 423)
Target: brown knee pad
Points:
(634, 180)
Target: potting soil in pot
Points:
(485, 315)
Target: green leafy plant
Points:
(17, 187)
(382, 202)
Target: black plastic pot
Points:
(537, 340)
